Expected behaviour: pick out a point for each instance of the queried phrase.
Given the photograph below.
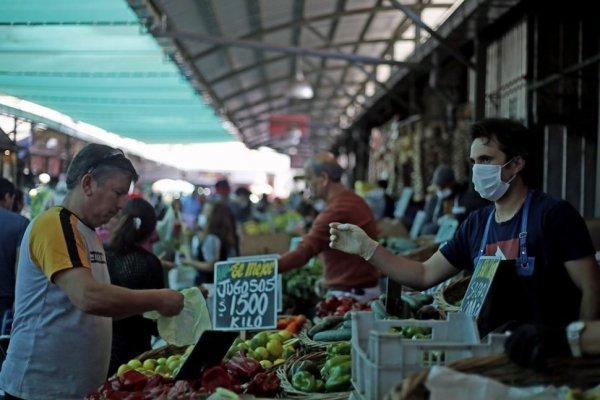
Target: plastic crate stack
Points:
(381, 358)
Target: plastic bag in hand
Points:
(186, 327)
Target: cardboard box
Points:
(264, 243)
(390, 227)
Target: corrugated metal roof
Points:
(247, 54)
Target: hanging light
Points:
(300, 88)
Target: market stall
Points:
(340, 349)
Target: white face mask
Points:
(488, 180)
(444, 193)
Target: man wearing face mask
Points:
(344, 274)
(545, 236)
(451, 199)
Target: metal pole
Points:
(278, 48)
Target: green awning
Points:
(93, 61)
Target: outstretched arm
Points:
(107, 300)
(418, 275)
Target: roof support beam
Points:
(419, 22)
(198, 37)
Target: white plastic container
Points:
(381, 359)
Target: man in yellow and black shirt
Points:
(61, 338)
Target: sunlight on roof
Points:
(217, 157)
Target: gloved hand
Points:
(351, 239)
(531, 345)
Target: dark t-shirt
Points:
(137, 269)
(556, 233)
(13, 227)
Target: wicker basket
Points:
(285, 375)
(446, 297)
(312, 345)
(164, 351)
(583, 373)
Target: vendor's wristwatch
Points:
(574, 330)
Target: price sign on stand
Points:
(246, 293)
(479, 286)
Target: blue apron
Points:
(524, 264)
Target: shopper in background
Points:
(216, 242)
(61, 338)
(555, 273)
(450, 199)
(170, 232)
(222, 195)
(18, 202)
(133, 267)
(344, 275)
(241, 206)
(13, 228)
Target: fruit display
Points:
(289, 221)
(239, 374)
(269, 348)
(164, 366)
(339, 306)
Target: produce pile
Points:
(299, 295)
(246, 368)
(333, 375)
(306, 355)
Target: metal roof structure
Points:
(193, 71)
(247, 55)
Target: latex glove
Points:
(531, 345)
(351, 239)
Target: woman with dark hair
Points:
(132, 266)
(215, 243)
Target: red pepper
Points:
(215, 377)
(179, 390)
(112, 385)
(243, 368)
(133, 380)
(122, 395)
(157, 380)
(264, 384)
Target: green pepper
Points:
(341, 369)
(340, 383)
(336, 360)
(332, 362)
(304, 381)
(343, 348)
(305, 365)
(320, 385)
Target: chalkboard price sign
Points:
(245, 294)
(479, 286)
